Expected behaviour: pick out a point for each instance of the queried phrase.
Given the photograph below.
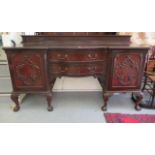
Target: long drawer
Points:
(76, 56)
(72, 69)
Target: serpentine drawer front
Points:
(73, 69)
(77, 55)
(35, 66)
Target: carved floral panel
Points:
(127, 70)
(28, 70)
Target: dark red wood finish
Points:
(126, 69)
(28, 70)
(81, 55)
(75, 33)
(29, 74)
(76, 41)
(84, 69)
(35, 66)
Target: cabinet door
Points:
(126, 70)
(28, 70)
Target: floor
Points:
(69, 107)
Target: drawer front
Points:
(28, 71)
(76, 56)
(77, 69)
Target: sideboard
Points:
(35, 65)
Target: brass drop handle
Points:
(66, 55)
(92, 68)
(62, 57)
(58, 55)
(96, 55)
(89, 68)
(92, 56)
(89, 55)
(64, 69)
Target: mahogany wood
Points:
(34, 66)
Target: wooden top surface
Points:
(76, 46)
(78, 42)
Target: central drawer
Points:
(76, 56)
(72, 69)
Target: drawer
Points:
(76, 56)
(77, 69)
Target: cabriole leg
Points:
(105, 98)
(14, 98)
(139, 98)
(49, 102)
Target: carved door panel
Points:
(28, 70)
(126, 70)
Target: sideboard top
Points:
(77, 42)
(63, 47)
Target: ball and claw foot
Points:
(137, 99)
(49, 100)
(104, 108)
(16, 108)
(14, 98)
(50, 108)
(106, 98)
(138, 108)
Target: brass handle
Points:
(64, 69)
(66, 55)
(62, 57)
(96, 55)
(89, 55)
(92, 68)
(92, 56)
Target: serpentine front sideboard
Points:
(36, 64)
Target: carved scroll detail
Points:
(27, 71)
(126, 70)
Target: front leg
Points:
(106, 99)
(14, 98)
(49, 101)
(138, 100)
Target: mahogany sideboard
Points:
(35, 65)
